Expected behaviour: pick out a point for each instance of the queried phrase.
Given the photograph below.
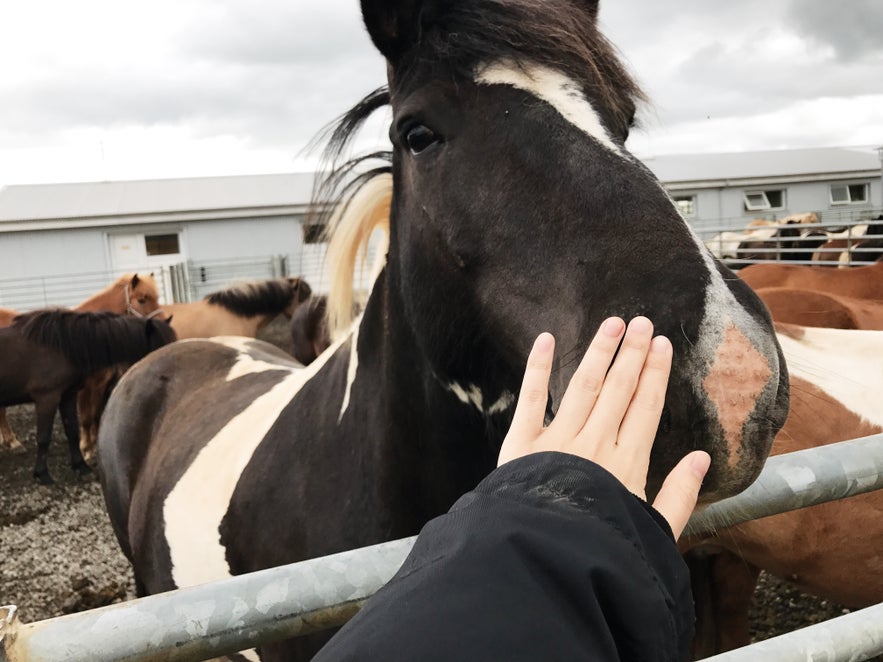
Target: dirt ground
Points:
(58, 553)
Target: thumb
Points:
(677, 498)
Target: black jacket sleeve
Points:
(549, 558)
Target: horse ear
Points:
(135, 280)
(395, 25)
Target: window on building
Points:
(162, 244)
(763, 200)
(314, 233)
(849, 194)
(686, 204)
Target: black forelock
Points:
(559, 34)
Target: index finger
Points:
(530, 411)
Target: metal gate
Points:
(222, 617)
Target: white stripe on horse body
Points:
(195, 507)
(472, 394)
(852, 375)
(353, 364)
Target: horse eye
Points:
(420, 138)
(142, 300)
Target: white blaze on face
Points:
(195, 507)
(553, 87)
(845, 364)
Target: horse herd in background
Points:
(68, 361)
(829, 323)
(800, 238)
(225, 456)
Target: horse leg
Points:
(68, 408)
(8, 439)
(87, 405)
(723, 587)
(45, 408)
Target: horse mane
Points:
(352, 200)
(560, 34)
(255, 297)
(92, 341)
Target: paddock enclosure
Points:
(438, 351)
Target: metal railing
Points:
(854, 243)
(258, 608)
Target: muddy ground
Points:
(58, 553)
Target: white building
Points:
(725, 191)
(61, 242)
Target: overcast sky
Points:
(99, 89)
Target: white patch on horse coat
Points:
(844, 363)
(246, 364)
(473, 395)
(195, 507)
(556, 89)
(352, 367)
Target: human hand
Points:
(608, 416)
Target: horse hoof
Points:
(82, 468)
(18, 450)
(43, 478)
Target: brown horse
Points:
(130, 293)
(830, 550)
(810, 308)
(45, 356)
(860, 244)
(309, 330)
(239, 310)
(858, 282)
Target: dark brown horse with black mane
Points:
(514, 207)
(45, 355)
(129, 294)
(242, 309)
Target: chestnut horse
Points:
(514, 207)
(810, 308)
(45, 355)
(130, 293)
(239, 310)
(831, 550)
(858, 282)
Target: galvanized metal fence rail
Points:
(222, 617)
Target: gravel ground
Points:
(58, 553)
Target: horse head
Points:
(159, 332)
(300, 292)
(141, 295)
(517, 208)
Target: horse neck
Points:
(443, 446)
(111, 299)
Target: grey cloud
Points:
(853, 29)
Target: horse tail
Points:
(349, 231)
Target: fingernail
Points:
(641, 325)
(544, 342)
(612, 327)
(700, 463)
(660, 344)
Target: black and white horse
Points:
(515, 208)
